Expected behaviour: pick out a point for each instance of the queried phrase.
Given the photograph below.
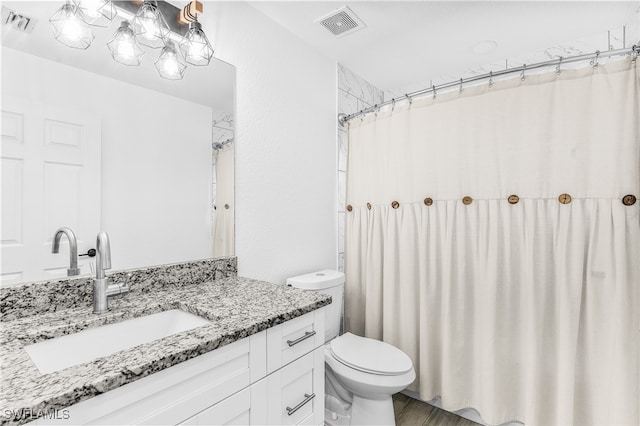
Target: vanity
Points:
(257, 358)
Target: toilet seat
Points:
(370, 356)
(369, 385)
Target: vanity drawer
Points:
(295, 393)
(292, 339)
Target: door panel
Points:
(50, 178)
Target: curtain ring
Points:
(393, 104)
(524, 68)
(433, 87)
(558, 69)
(490, 79)
(460, 85)
(409, 98)
(594, 61)
(375, 110)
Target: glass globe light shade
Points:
(69, 27)
(195, 46)
(170, 64)
(149, 26)
(123, 46)
(98, 13)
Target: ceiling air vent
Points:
(15, 20)
(341, 22)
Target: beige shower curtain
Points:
(224, 223)
(519, 301)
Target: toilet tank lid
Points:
(318, 280)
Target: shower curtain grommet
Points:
(368, 206)
(629, 200)
(564, 198)
(467, 200)
(513, 199)
(349, 207)
(428, 201)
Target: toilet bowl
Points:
(361, 374)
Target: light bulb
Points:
(195, 45)
(69, 27)
(124, 47)
(170, 64)
(72, 28)
(150, 26)
(196, 48)
(125, 50)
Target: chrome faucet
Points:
(73, 249)
(102, 289)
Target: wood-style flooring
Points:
(411, 412)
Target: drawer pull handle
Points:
(306, 399)
(307, 334)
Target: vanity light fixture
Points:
(195, 45)
(144, 25)
(170, 64)
(70, 27)
(98, 13)
(150, 26)
(124, 47)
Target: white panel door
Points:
(50, 168)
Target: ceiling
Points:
(213, 85)
(406, 42)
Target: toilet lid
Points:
(370, 356)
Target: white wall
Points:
(285, 144)
(156, 169)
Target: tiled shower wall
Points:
(354, 94)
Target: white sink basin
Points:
(65, 351)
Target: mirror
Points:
(94, 145)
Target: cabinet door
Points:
(295, 393)
(234, 410)
(249, 406)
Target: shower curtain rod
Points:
(634, 50)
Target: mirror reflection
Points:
(91, 144)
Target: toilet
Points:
(361, 374)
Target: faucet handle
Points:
(90, 253)
(116, 289)
(125, 284)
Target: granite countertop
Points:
(237, 308)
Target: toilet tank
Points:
(328, 282)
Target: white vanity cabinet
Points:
(272, 377)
